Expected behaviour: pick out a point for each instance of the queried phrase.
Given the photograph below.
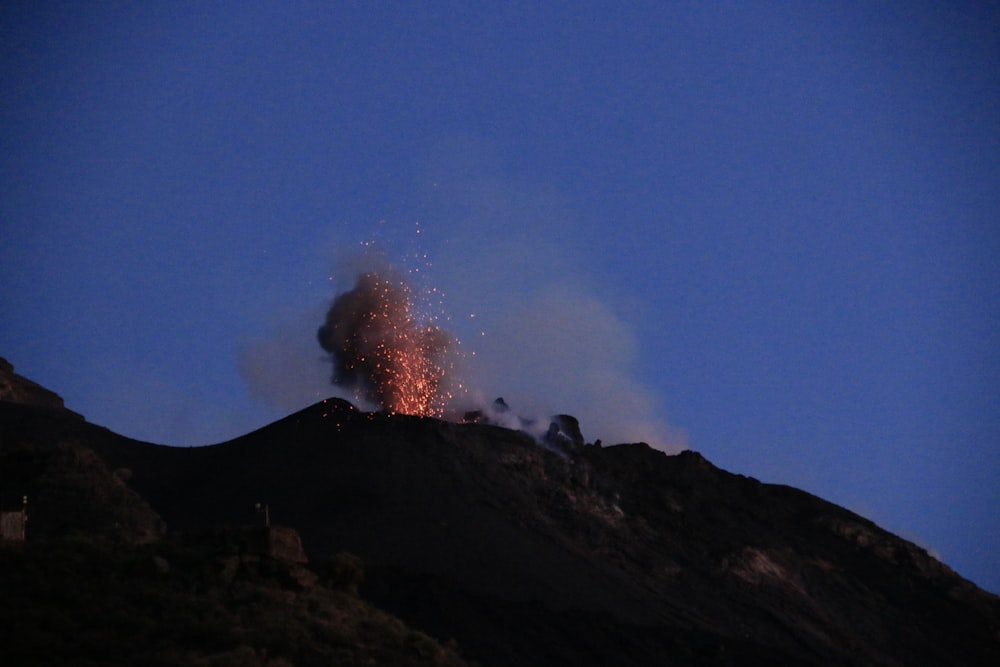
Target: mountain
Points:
(483, 544)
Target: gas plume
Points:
(383, 350)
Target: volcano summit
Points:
(485, 545)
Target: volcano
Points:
(480, 539)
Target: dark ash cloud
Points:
(383, 350)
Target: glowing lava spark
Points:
(383, 351)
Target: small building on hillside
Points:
(12, 524)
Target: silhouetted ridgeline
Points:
(467, 540)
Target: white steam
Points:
(558, 350)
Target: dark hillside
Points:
(98, 582)
(528, 556)
(478, 526)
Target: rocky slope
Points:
(524, 555)
(16, 388)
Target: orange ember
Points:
(381, 349)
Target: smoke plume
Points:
(383, 351)
(562, 350)
(537, 324)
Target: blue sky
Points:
(767, 231)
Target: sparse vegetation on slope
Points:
(86, 600)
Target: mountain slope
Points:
(98, 583)
(586, 556)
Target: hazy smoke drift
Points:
(382, 351)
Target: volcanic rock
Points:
(15, 388)
(592, 556)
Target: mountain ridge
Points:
(595, 555)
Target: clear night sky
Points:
(769, 231)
